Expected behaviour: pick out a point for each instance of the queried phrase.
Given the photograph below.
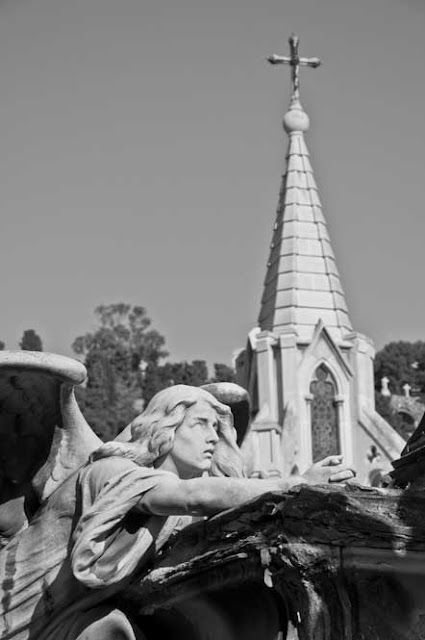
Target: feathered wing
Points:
(44, 437)
(237, 398)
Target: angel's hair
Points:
(152, 432)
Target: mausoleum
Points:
(308, 371)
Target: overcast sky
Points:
(141, 151)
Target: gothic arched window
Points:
(324, 415)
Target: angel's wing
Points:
(44, 437)
(237, 398)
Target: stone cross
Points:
(406, 390)
(384, 386)
(295, 62)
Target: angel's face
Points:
(194, 442)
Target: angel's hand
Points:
(330, 469)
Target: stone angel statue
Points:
(79, 518)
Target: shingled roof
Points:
(302, 282)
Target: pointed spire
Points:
(302, 284)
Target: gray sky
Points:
(141, 153)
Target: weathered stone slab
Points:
(345, 563)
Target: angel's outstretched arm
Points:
(207, 496)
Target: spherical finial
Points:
(296, 119)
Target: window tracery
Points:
(324, 415)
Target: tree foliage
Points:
(120, 325)
(402, 362)
(31, 341)
(157, 377)
(194, 373)
(122, 356)
(114, 353)
(2, 345)
(223, 373)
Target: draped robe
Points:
(83, 546)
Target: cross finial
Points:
(295, 62)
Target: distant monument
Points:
(309, 374)
(408, 407)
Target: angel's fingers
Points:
(331, 461)
(340, 476)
